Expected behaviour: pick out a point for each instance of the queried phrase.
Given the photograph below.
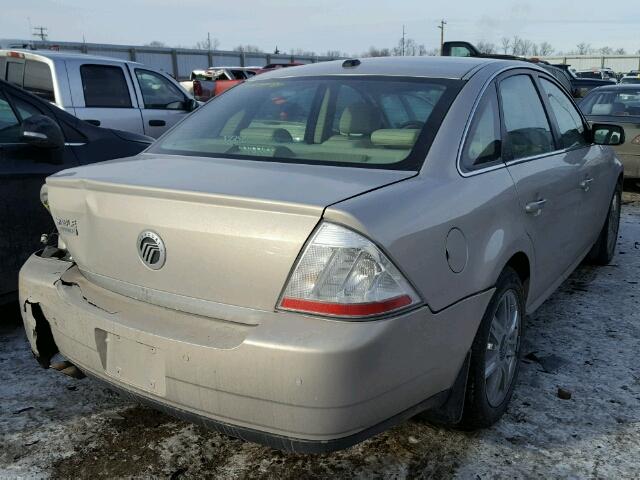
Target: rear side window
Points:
(38, 80)
(104, 86)
(572, 131)
(15, 73)
(9, 125)
(483, 144)
(25, 109)
(525, 121)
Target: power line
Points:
(40, 32)
(403, 34)
(441, 27)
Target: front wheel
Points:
(604, 249)
(495, 354)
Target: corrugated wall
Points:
(178, 62)
(619, 63)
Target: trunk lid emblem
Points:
(151, 250)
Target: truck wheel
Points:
(495, 354)
(604, 249)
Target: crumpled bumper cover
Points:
(293, 382)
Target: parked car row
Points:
(106, 92)
(321, 253)
(577, 86)
(38, 139)
(206, 84)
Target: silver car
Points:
(324, 251)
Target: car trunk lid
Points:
(232, 229)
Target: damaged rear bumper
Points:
(292, 382)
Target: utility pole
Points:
(209, 41)
(40, 32)
(441, 27)
(403, 33)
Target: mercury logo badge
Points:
(151, 250)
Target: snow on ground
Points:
(584, 339)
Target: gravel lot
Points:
(584, 340)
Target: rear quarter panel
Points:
(412, 219)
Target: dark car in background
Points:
(581, 85)
(36, 140)
(618, 105)
(578, 87)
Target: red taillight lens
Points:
(197, 88)
(343, 274)
(346, 309)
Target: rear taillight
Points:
(197, 88)
(342, 274)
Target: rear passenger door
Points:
(545, 178)
(593, 179)
(103, 95)
(163, 102)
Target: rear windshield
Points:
(630, 80)
(619, 103)
(372, 122)
(589, 75)
(38, 80)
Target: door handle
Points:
(157, 123)
(534, 208)
(93, 122)
(586, 184)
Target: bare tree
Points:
(545, 49)
(335, 53)
(208, 44)
(583, 48)
(526, 46)
(516, 45)
(620, 51)
(411, 48)
(506, 43)
(604, 51)
(486, 47)
(155, 43)
(247, 49)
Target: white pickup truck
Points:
(107, 92)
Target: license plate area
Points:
(135, 364)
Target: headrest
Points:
(359, 119)
(395, 137)
(265, 135)
(602, 109)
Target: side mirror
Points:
(607, 134)
(190, 105)
(42, 132)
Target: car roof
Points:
(618, 86)
(62, 55)
(433, 67)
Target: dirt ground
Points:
(585, 339)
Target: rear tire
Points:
(495, 354)
(604, 249)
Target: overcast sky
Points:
(346, 25)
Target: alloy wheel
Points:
(503, 347)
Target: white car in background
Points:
(107, 92)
